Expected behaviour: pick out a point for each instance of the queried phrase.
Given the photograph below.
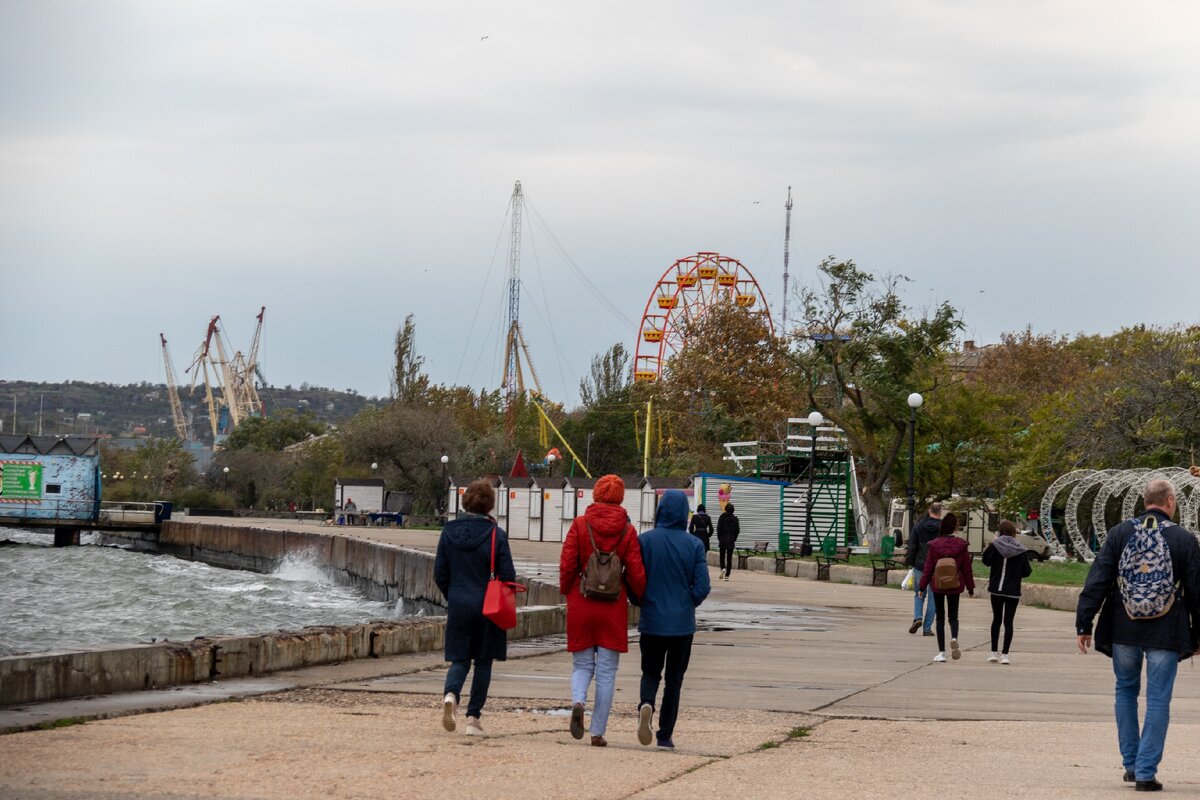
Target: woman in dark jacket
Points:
(947, 545)
(1009, 561)
(462, 569)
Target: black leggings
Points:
(1005, 607)
(942, 602)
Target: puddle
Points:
(726, 617)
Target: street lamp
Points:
(442, 497)
(550, 459)
(374, 466)
(815, 420)
(226, 471)
(915, 401)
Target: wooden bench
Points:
(760, 548)
(880, 567)
(785, 556)
(840, 556)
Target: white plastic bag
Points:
(909, 579)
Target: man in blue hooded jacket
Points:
(676, 582)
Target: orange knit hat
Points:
(609, 489)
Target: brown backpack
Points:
(945, 575)
(603, 573)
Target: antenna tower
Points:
(787, 239)
(512, 368)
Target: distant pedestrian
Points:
(461, 569)
(1145, 584)
(728, 529)
(676, 582)
(597, 625)
(1009, 561)
(350, 511)
(701, 527)
(924, 532)
(947, 572)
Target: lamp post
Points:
(442, 497)
(915, 401)
(550, 459)
(226, 471)
(815, 419)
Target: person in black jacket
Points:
(925, 531)
(1161, 643)
(701, 527)
(727, 534)
(461, 570)
(1009, 560)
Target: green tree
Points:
(271, 435)
(860, 353)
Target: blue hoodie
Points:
(676, 571)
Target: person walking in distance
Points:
(1009, 562)
(1145, 584)
(600, 560)
(727, 534)
(701, 527)
(924, 532)
(676, 583)
(461, 570)
(947, 572)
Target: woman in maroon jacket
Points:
(945, 598)
(598, 630)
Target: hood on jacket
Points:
(606, 517)
(672, 510)
(1008, 546)
(469, 533)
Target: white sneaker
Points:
(449, 711)
(940, 658)
(1004, 658)
(994, 657)
(954, 651)
(473, 727)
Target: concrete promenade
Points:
(796, 688)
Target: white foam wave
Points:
(300, 567)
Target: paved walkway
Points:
(796, 688)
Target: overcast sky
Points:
(345, 164)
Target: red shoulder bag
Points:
(500, 599)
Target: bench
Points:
(760, 548)
(783, 557)
(880, 567)
(840, 556)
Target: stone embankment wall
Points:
(381, 571)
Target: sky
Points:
(347, 164)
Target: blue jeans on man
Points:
(925, 616)
(1141, 751)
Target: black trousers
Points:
(1003, 608)
(946, 603)
(673, 652)
(726, 559)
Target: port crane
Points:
(177, 418)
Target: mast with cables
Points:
(787, 238)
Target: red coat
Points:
(592, 623)
(949, 547)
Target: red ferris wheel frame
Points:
(684, 292)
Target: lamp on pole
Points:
(815, 420)
(226, 471)
(915, 401)
(550, 459)
(442, 497)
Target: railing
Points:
(148, 513)
(84, 511)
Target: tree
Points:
(407, 381)
(272, 435)
(608, 378)
(860, 355)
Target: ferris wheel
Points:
(685, 292)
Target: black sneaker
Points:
(916, 625)
(1129, 776)
(1148, 786)
(670, 745)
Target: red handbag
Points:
(500, 599)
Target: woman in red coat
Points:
(945, 599)
(597, 630)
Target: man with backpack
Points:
(922, 534)
(1145, 584)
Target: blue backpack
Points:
(1145, 576)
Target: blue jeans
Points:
(1141, 752)
(456, 676)
(601, 663)
(927, 623)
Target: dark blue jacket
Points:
(461, 571)
(676, 571)
(1178, 630)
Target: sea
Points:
(68, 598)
